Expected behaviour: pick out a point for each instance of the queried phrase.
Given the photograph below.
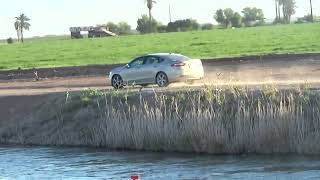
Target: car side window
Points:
(137, 62)
(151, 60)
(154, 60)
(160, 60)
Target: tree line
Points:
(229, 18)
(226, 18)
(284, 10)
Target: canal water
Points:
(83, 163)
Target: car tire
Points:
(117, 82)
(162, 79)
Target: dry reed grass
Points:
(233, 120)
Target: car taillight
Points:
(178, 64)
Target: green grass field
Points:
(302, 38)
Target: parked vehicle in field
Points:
(161, 69)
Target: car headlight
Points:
(110, 74)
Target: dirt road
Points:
(277, 71)
(18, 95)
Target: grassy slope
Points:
(201, 44)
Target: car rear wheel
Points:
(162, 79)
(117, 82)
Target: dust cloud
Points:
(259, 73)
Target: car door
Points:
(133, 72)
(149, 69)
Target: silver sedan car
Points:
(161, 69)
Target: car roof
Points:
(164, 54)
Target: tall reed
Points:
(211, 120)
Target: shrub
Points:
(207, 26)
(183, 25)
(10, 40)
(121, 28)
(124, 28)
(112, 27)
(278, 21)
(161, 28)
(172, 27)
(304, 19)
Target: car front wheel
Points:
(162, 79)
(117, 82)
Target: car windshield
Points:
(137, 62)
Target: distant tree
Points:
(144, 26)
(112, 27)
(161, 28)
(150, 4)
(251, 15)
(259, 15)
(17, 28)
(228, 13)
(311, 11)
(10, 40)
(278, 18)
(207, 26)
(194, 25)
(123, 28)
(172, 27)
(23, 22)
(308, 18)
(228, 18)
(183, 25)
(304, 19)
(281, 7)
(220, 18)
(236, 20)
(276, 5)
(288, 9)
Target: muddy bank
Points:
(218, 121)
(98, 70)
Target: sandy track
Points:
(18, 97)
(280, 71)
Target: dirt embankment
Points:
(210, 120)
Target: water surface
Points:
(83, 163)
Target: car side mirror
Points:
(127, 66)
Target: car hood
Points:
(118, 69)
